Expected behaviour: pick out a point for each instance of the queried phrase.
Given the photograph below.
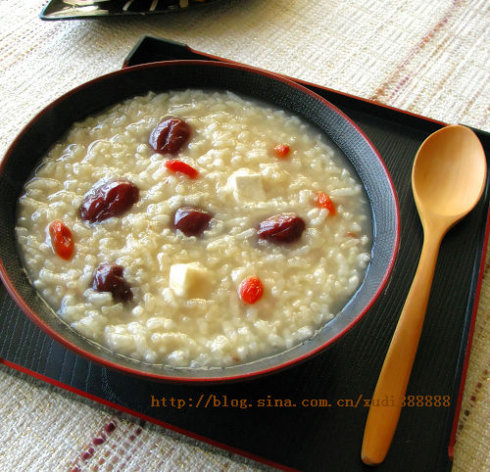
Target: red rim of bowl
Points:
(193, 380)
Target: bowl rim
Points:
(93, 357)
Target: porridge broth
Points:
(187, 308)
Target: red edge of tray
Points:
(150, 419)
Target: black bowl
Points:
(50, 124)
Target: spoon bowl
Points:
(448, 175)
(448, 179)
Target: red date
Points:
(109, 278)
(191, 221)
(282, 228)
(109, 199)
(169, 136)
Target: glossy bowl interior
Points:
(49, 125)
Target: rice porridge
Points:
(194, 228)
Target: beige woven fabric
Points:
(431, 58)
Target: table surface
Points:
(430, 59)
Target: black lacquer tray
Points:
(324, 430)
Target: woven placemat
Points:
(430, 59)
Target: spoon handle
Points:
(393, 380)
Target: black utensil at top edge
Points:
(68, 10)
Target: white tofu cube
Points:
(190, 280)
(246, 186)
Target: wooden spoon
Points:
(448, 178)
